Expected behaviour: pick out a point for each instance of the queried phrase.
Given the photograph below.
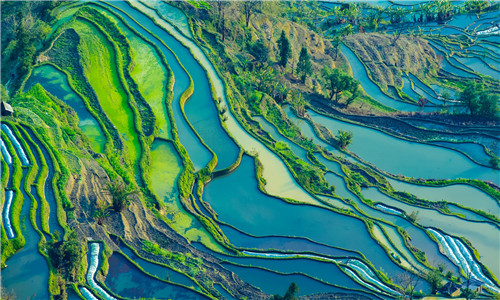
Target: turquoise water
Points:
(484, 236)
(200, 109)
(259, 214)
(242, 240)
(199, 155)
(412, 159)
(27, 272)
(127, 280)
(56, 83)
(466, 195)
(273, 283)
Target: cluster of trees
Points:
(24, 29)
(65, 256)
(478, 101)
(337, 82)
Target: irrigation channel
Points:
(279, 231)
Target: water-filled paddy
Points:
(200, 109)
(265, 215)
(466, 195)
(242, 240)
(198, 154)
(273, 283)
(398, 156)
(27, 272)
(126, 280)
(484, 236)
(56, 83)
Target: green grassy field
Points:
(148, 72)
(101, 70)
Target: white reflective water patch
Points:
(9, 195)
(94, 262)
(388, 209)
(368, 276)
(5, 153)
(461, 256)
(17, 145)
(87, 294)
(364, 271)
(356, 278)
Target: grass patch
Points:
(99, 63)
(148, 71)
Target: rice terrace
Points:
(310, 150)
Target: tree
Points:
(344, 138)
(336, 44)
(337, 82)
(469, 97)
(488, 104)
(285, 50)
(479, 101)
(247, 7)
(304, 67)
(260, 51)
(433, 277)
(407, 282)
(347, 30)
(290, 293)
(120, 194)
(101, 212)
(65, 256)
(445, 96)
(354, 90)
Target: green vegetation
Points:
(478, 101)
(285, 49)
(337, 82)
(99, 61)
(304, 67)
(120, 194)
(293, 289)
(65, 255)
(344, 138)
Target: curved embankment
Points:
(94, 253)
(484, 236)
(419, 238)
(411, 159)
(198, 153)
(266, 215)
(201, 110)
(26, 272)
(461, 256)
(279, 179)
(47, 191)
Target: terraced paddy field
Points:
(239, 150)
